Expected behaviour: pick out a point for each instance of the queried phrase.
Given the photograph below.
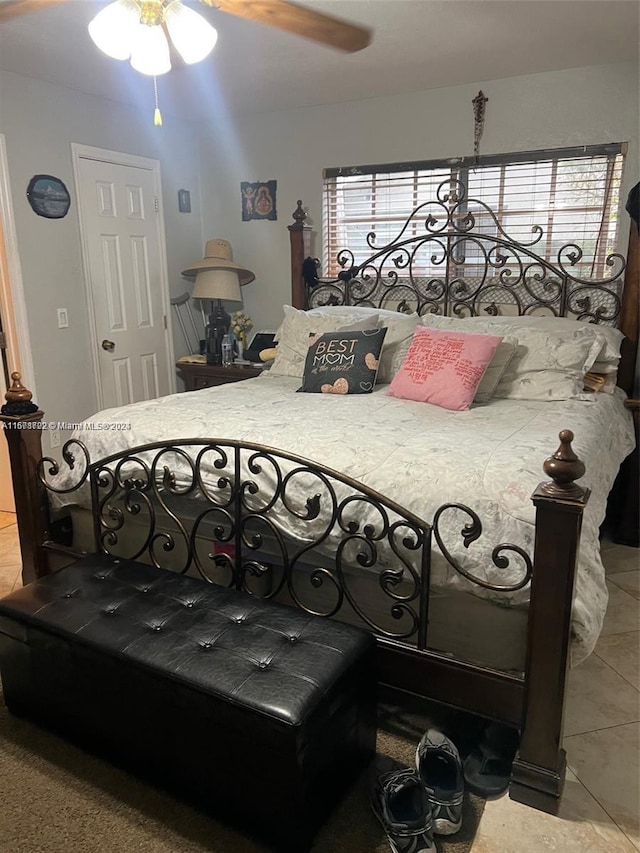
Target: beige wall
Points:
(581, 106)
(39, 122)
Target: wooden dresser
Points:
(196, 375)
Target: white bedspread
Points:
(419, 455)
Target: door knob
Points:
(108, 345)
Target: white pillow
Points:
(362, 309)
(293, 336)
(549, 364)
(342, 310)
(600, 366)
(498, 367)
(610, 338)
(400, 329)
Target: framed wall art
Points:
(48, 196)
(258, 200)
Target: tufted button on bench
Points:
(256, 712)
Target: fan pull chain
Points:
(157, 115)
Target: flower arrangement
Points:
(241, 323)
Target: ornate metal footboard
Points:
(275, 525)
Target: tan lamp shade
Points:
(217, 284)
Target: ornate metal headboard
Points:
(453, 256)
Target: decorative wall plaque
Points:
(48, 196)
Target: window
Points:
(571, 194)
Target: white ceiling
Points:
(417, 45)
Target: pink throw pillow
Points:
(443, 368)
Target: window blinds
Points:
(571, 194)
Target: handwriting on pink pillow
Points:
(443, 368)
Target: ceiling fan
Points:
(144, 31)
(281, 14)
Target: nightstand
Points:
(198, 375)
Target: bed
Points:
(489, 621)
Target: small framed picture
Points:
(48, 196)
(258, 200)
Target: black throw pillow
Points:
(343, 362)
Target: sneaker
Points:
(400, 803)
(440, 771)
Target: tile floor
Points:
(600, 811)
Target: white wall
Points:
(582, 106)
(39, 122)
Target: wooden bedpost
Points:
(300, 240)
(22, 424)
(539, 767)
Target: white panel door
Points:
(123, 253)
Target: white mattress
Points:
(419, 455)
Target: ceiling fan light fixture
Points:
(150, 51)
(193, 37)
(113, 28)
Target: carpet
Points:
(55, 798)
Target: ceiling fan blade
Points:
(13, 8)
(295, 19)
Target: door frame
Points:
(13, 307)
(88, 152)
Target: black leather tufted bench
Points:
(257, 712)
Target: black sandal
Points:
(487, 769)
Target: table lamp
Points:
(217, 277)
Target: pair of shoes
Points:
(400, 803)
(487, 769)
(440, 770)
(413, 805)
